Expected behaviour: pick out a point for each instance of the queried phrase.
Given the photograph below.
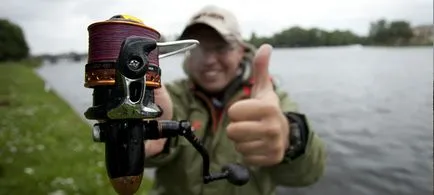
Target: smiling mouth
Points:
(211, 73)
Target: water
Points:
(372, 107)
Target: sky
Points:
(58, 26)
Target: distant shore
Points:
(53, 58)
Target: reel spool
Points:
(105, 39)
(123, 71)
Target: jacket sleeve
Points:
(305, 169)
(171, 148)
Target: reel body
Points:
(123, 71)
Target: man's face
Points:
(214, 63)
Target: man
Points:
(239, 114)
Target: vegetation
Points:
(300, 37)
(46, 147)
(394, 33)
(13, 45)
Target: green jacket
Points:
(179, 171)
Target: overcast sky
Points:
(54, 26)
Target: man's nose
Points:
(210, 58)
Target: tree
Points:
(393, 33)
(400, 29)
(257, 41)
(13, 45)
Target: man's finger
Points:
(244, 131)
(248, 110)
(255, 147)
(261, 74)
(256, 160)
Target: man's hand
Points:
(258, 126)
(162, 98)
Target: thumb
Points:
(261, 76)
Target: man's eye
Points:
(221, 48)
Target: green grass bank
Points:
(45, 147)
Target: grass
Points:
(45, 147)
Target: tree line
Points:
(13, 45)
(381, 32)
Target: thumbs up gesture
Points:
(257, 125)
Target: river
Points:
(372, 106)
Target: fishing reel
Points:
(123, 71)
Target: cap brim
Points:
(213, 24)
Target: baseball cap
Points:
(221, 20)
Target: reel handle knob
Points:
(236, 174)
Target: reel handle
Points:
(132, 133)
(233, 173)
